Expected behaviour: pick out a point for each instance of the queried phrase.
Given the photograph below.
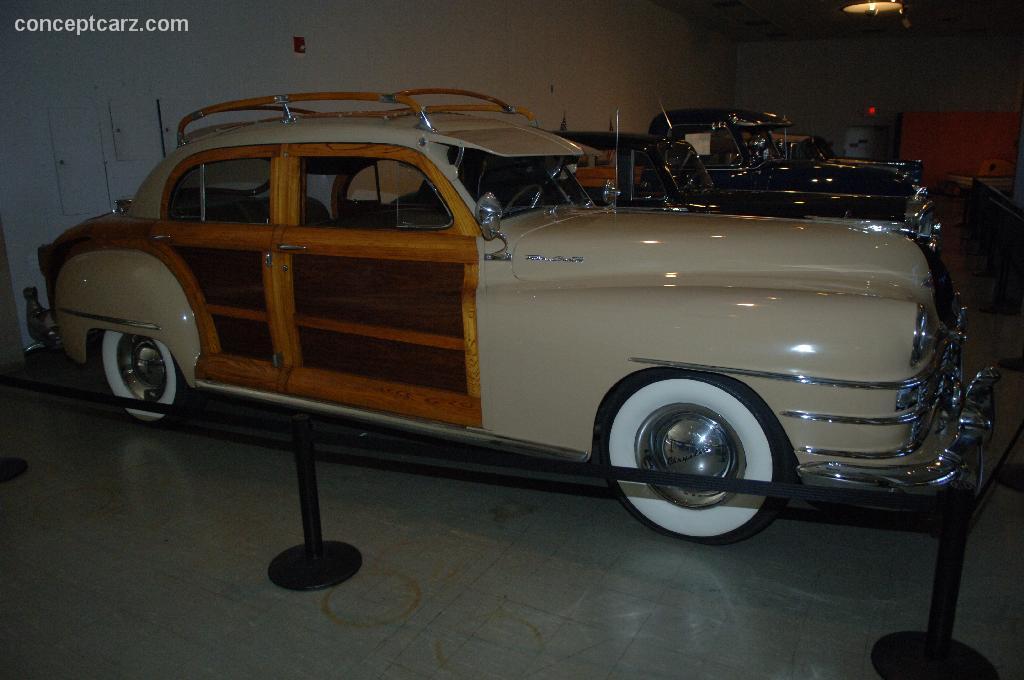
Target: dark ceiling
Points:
(759, 20)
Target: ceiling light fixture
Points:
(873, 8)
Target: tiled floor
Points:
(133, 551)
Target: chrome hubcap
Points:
(141, 367)
(689, 439)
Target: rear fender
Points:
(127, 291)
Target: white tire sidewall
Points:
(703, 522)
(116, 382)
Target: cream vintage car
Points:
(438, 269)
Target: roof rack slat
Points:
(402, 97)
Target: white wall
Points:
(824, 86)
(584, 58)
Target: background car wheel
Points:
(140, 367)
(678, 421)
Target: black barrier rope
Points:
(486, 455)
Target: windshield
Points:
(685, 166)
(759, 144)
(523, 182)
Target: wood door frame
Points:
(457, 244)
(166, 235)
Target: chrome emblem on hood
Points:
(556, 258)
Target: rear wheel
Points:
(702, 424)
(140, 367)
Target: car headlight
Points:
(922, 339)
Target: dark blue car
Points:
(738, 151)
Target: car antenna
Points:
(668, 121)
(615, 194)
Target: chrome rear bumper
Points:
(963, 457)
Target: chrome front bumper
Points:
(962, 458)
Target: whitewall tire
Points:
(140, 367)
(695, 423)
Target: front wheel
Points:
(702, 424)
(140, 367)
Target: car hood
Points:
(832, 176)
(581, 247)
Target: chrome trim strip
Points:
(467, 435)
(921, 477)
(111, 319)
(919, 379)
(866, 455)
(901, 419)
(974, 431)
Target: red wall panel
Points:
(958, 142)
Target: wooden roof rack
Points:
(404, 98)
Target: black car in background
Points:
(658, 173)
(738, 149)
(813, 147)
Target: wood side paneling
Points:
(380, 332)
(383, 244)
(230, 278)
(417, 296)
(378, 395)
(387, 360)
(244, 337)
(472, 356)
(234, 370)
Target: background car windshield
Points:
(759, 143)
(685, 166)
(523, 182)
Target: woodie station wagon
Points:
(437, 268)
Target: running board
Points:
(464, 435)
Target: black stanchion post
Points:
(935, 655)
(11, 468)
(316, 563)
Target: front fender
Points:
(127, 291)
(549, 356)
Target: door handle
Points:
(288, 246)
(160, 237)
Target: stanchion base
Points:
(293, 570)
(900, 656)
(1012, 364)
(11, 468)
(1012, 476)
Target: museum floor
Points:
(141, 552)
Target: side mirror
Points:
(488, 214)
(610, 192)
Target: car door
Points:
(218, 217)
(375, 277)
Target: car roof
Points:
(500, 137)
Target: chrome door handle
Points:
(288, 246)
(160, 237)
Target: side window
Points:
(235, 190)
(370, 193)
(647, 186)
(593, 169)
(716, 147)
